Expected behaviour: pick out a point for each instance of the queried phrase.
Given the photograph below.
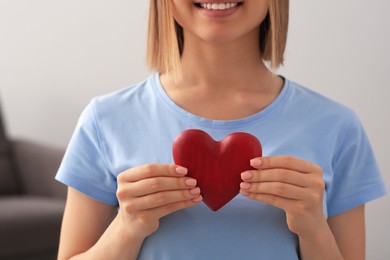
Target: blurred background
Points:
(56, 55)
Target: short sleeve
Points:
(356, 175)
(84, 167)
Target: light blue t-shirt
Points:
(137, 125)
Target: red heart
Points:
(217, 166)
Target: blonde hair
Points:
(165, 37)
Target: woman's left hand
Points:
(291, 184)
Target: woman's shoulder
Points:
(313, 103)
(128, 101)
(128, 94)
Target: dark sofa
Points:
(31, 201)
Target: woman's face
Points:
(219, 21)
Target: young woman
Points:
(304, 200)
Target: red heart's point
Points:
(217, 166)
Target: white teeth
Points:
(220, 6)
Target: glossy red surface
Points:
(217, 166)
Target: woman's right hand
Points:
(149, 192)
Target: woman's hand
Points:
(294, 185)
(148, 192)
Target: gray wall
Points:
(56, 55)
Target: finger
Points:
(159, 199)
(176, 206)
(273, 200)
(285, 162)
(154, 185)
(151, 171)
(277, 175)
(279, 189)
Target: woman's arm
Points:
(297, 187)
(345, 233)
(90, 230)
(349, 230)
(93, 230)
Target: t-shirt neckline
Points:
(204, 122)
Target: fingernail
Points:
(195, 191)
(244, 192)
(246, 175)
(245, 185)
(181, 170)
(190, 182)
(256, 162)
(197, 199)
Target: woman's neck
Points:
(227, 66)
(223, 81)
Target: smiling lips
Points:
(218, 6)
(219, 10)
